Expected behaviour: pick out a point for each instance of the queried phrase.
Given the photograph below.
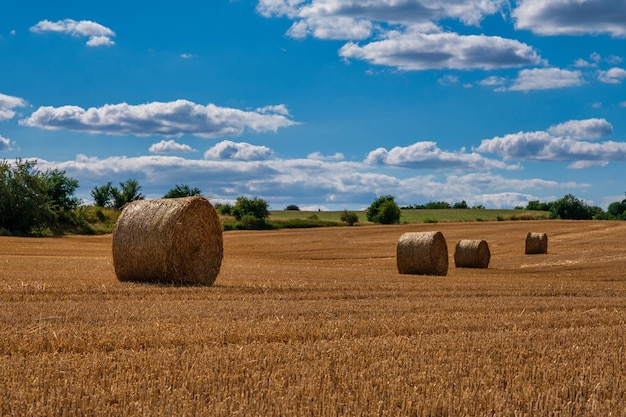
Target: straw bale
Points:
(423, 253)
(536, 243)
(171, 240)
(472, 254)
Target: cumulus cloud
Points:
(170, 146)
(5, 144)
(404, 33)
(546, 79)
(571, 17)
(470, 12)
(174, 118)
(612, 76)
(239, 151)
(7, 106)
(569, 142)
(427, 155)
(422, 51)
(97, 34)
(583, 129)
(307, 182)
(318, 156)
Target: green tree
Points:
(61, 190)
(537, 205)
(103, 196)
(383, 210)
(33, 200)
(23, 197)
(617, 210)
(255, 207)
(182, 190)
(292, 207)
(224, 209)
(130, 191)
(570, 207)
(61, 200)
(349, 217)
(460, 205)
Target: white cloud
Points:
(571, 17)
(306, 182)
(331, 28)
(238, 151)
(174, 118)
(420, 51)
(612, 76)
(318, 156)
(583, 129)
(493, 81)
(170, 146)
(5, 144)
(7, 106)
(98, 35)
(470, 12)
(546, 79)
(427, 155)
(568, 141)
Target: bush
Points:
(570, 207)
(182, 190)
(383, 210)
(34, 201)
(349, 217)
(251, 207)
(249, 222)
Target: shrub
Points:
(383, 210)
(570, 207)
(182, 190)
(250, 207)
(349, 217)
(224, 209)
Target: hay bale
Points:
(172, 240)
(472, 254)
(536, 243)
(424, 253)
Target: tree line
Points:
(34, 201)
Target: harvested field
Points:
(320, 322)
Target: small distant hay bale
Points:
(472, 254)
(536, 243)
(423, 253)
(171, 240)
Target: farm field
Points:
(318, 322)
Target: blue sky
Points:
(326, 104)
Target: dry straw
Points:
(173, 240)
(536, 243)
(424, 253)
(472, 254)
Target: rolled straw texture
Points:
(472, 254)
(172, 240)
(423, 253)
(536, 243)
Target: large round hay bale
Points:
(472, 254)
(536, 243)
(423, 253)
(172, 240)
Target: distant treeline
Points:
(568, 207)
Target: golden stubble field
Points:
(319, 323)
